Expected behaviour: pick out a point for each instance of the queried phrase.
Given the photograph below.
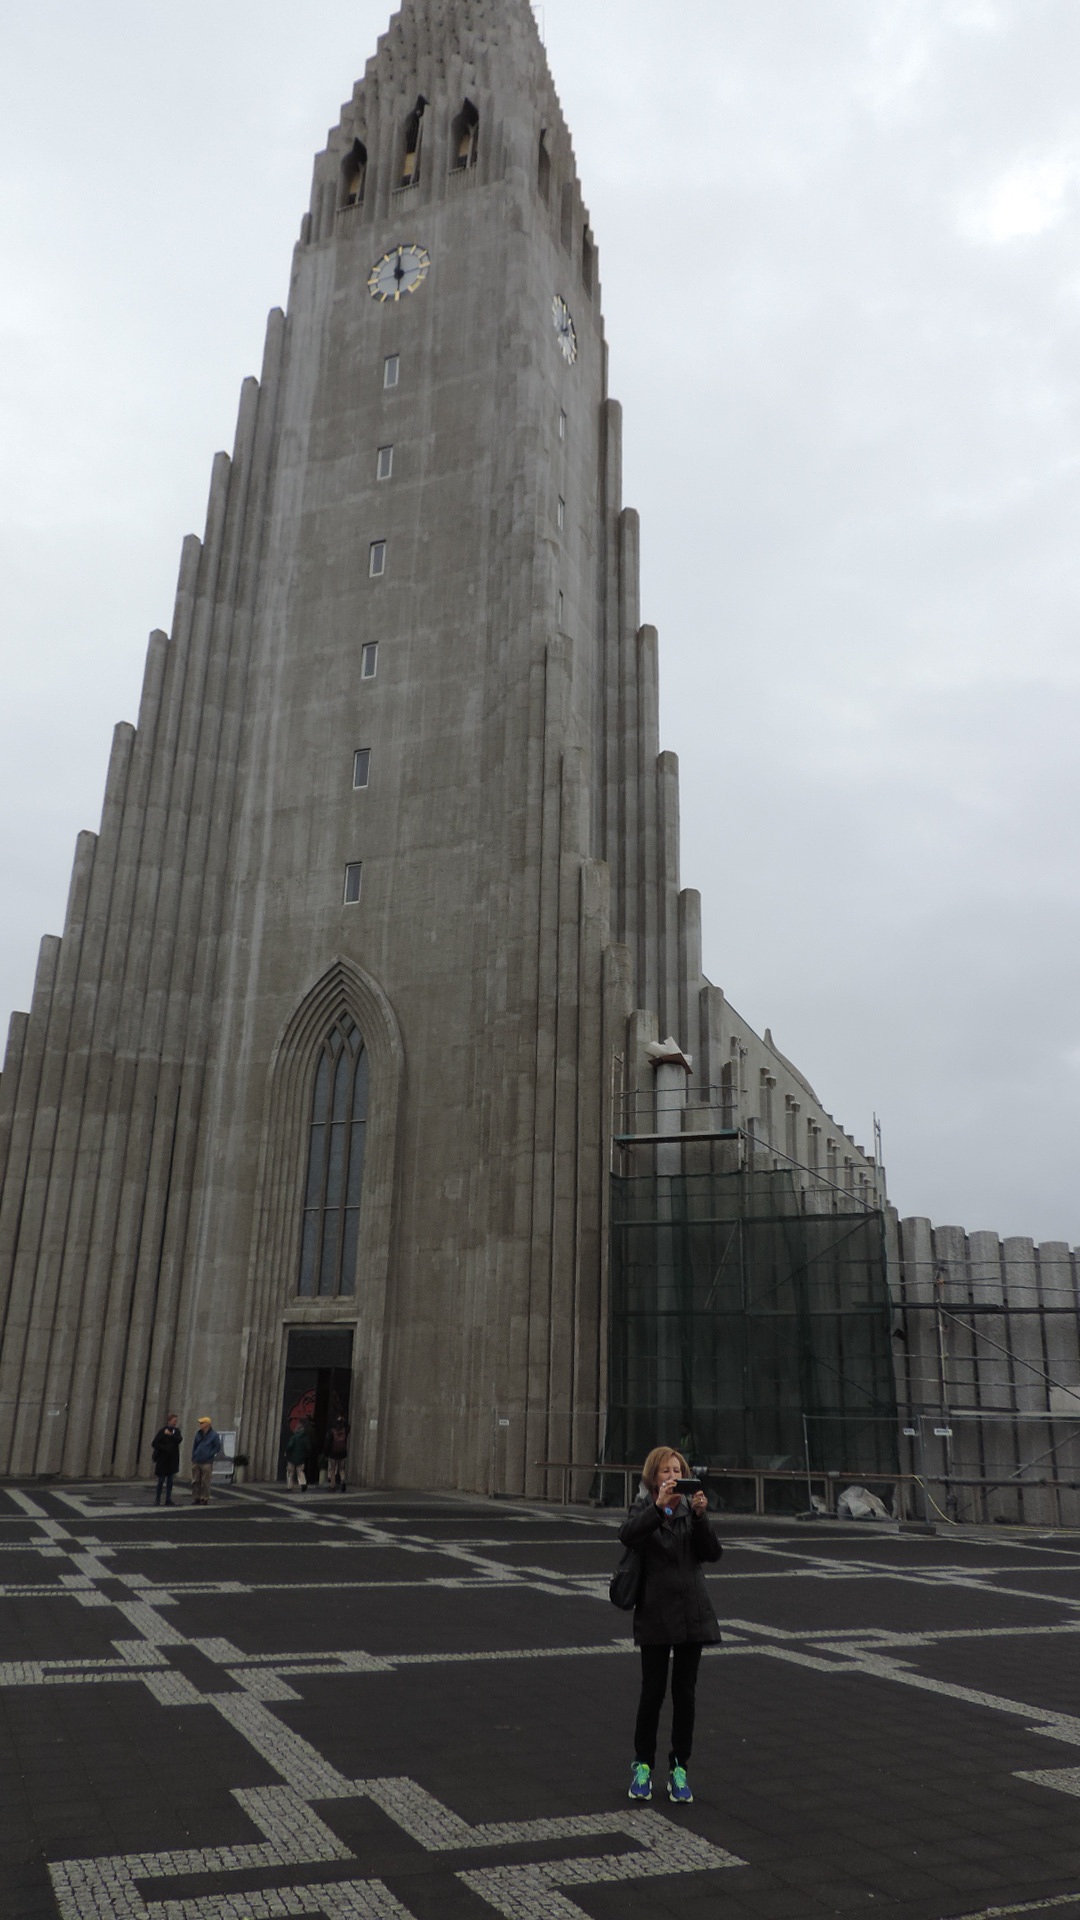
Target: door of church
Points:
(318, 1383)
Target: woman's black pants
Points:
(654, 1673)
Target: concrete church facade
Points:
(359, 978)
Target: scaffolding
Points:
(750, 1318)
(989, 1374)
(776, 1318)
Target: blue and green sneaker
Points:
(678, 1787)
(641, 1781)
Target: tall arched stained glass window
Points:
(335, 1169)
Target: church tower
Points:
(317, 1092)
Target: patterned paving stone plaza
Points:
(388, 1708)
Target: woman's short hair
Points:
(650, 1471)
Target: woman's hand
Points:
(665, 1493)
(700, 1503)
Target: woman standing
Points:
(673, 1618)
(165, 1447)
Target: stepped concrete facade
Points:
(988, 1370)
(359, 977)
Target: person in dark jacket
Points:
(165, 1447)
(205, 1448)
(673, 1618)
(299, 1448)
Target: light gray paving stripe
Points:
(140, 1653)
(294, 1835)
(843, 1654)
(871, 1638)
(1056, 1726)
(528, 1892)
(223, 1653)
(147, 1622)
(349, 1900)
(943, 1577)
(934, 1637)
(194, 1589)
(267, 1684)
(136, 1655)
(268, 1680)
(450, 1584)
(297, 1761)
(172, 1689)
(1061, 1779)
(24, 1501)
(538, 1579)
(34, 1677)
(532, 1546)
(512, 1653)
(1026, 1906)
(816, 1662)
(258, 1674)
(45, 1593)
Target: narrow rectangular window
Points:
(562, 426)
(561, 516)
(361, 766)
(376, 559)
(352, 883)
(369, 659)
(391, 370)
(384, 465)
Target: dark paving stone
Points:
(318, 1618)
(26, 1568)
(834, 1605)
(1041, 1671)
(303, 1563)
(59, 1627)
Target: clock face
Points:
(564, 327)
(399, 271)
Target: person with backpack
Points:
(337, 1448)
(673, 1615)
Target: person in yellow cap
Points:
(205, 1448)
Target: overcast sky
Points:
(841, 274)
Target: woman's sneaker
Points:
(641, 1781)
(678, 1787)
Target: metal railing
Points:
(830, 1483)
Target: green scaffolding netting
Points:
(747, 1330)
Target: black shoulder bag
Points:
(624, 1590)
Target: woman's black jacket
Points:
(674, 1605)
(166, 1450)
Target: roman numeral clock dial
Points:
(400, 271)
